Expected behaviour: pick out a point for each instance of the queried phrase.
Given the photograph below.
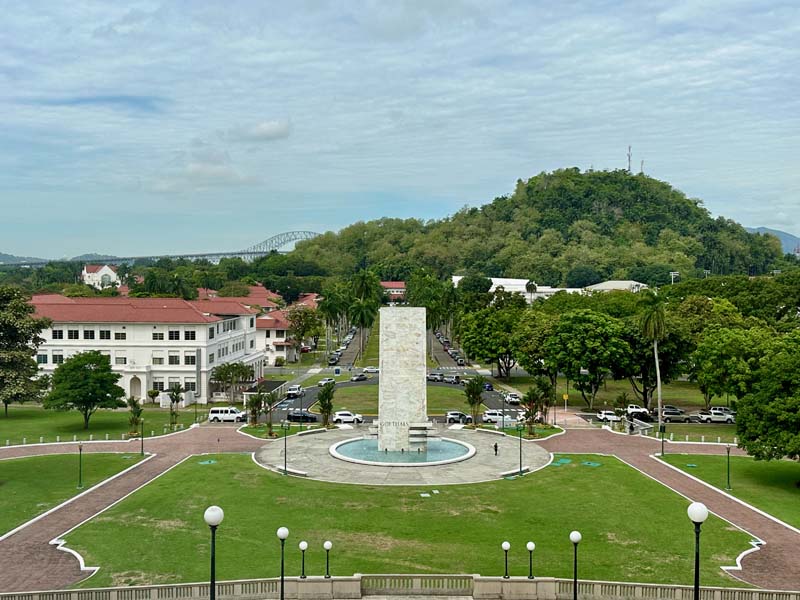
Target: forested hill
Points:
(562, 228)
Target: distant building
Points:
(519, 286)
(154, 343)
(309, 299)
(273, 338)
(100, 276)
(259, 296)
(394, 290)
(625, 285)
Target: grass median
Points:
(157, 535)
(364, 399)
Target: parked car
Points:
(608, 416)
(325, 381)
(634, 409)
(488, 386)
(513, 398)
(226, 414)
(456, 416)
(454, 379)
(304, 348)
(333, 360)
(669, 415)
(370, 370)
(301, 416)
(495, 416)
(435, 377)
(671, 407)
(345, 416)
(359, 377)
(717, 414)
(460, 362)
(643, 416)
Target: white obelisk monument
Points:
(402, 399)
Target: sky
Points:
(137, 128)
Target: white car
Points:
(295, 391)
(345, 416)
(370, 369)
(513, 398)
(608, 416)
(497, 416)
(226, 414)
(325, 381)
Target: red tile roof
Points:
(273, 320)
(96, 268)
(123, 309)
(396, 285)
(222, 306)
(308, 299)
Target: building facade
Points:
(274, 338)
(100, 276)
(153, 343)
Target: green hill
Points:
(565, 227)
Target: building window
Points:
(158, 336)
(211, 333)
(105, 334)
(88, 334)
(269, 334)
(174, 334)
(252, 321)
(174, 359)
(58, 334)
(158, 360)
(252, 343)
(119, 335)
(188, 335)
(58, 359)
(211, 358)
(121, 360)
(72, 334)
(174, 382)
(158, 384)
(41, 359)
(280, 333)
(190, 385)
(189, 359)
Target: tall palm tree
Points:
(473, 391)
(653, 327)
(362, 314)
(530, 287)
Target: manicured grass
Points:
(364, 399)
(36, 484)
(772, 486)
(157, 535)
(539, 431)
(277, 430)
(32, 422)
(679, 393)
(372, 346)
(698, 431)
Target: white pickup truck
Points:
(717, 414)
(634, 409)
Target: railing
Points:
(359, 586)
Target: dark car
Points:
(333, 360)
(301, 416)
(669, 415)
(488, 386)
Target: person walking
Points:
(495, 448)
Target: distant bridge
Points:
(256, 251)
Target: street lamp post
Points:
(575, 537)
(520, 427)
(531, 547)
(80, 465)
(506, 547)
(728, 450)
(698, 513)
(213, 517)
(327, 545)
(303, 547)
(285, 426)
(282, 534)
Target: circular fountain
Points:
(439, 451)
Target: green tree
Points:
(234, 289)
(19, 339)
(537, 401)
(363, 313)
(653, 327)
(530, 287)
(488, 334)
(230, 375)
(587, 347)
(255, 405)
(134, 414)
(153, 394)
(325, 402)
(85, 382)
(175, 397)
(272, 398)
(473, 391)
(768, 417)
(305, 322)
(530, 347)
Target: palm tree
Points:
(473, 390)
(653, 327)
(362, 314)
(174, 398)
(271, 400)
(537, 400)
(530, 287)
(325, 402)
(255, 404)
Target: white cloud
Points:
(264, 131)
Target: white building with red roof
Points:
(274, 339)
(394, 290)
(154, 343)
(100, 276)
(259, 296)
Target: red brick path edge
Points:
(31, 562)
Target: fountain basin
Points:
(440, 451)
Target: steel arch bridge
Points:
(256, 251)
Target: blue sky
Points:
(150, 127)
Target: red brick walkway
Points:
(37, 565)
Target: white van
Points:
(227, 413)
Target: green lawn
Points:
(372, 347)
(157, 535)
(34, 485)
(364, 399)
(699, 432)
(277, 430)
(32, 422)
(679, 393)
(772, 486)
(539, 431)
